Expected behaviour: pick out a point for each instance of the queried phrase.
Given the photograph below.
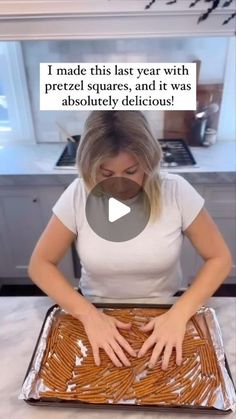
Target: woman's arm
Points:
(209, 243)
(101, 329)
(168, 330)
(51, 247)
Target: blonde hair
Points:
(106, 133)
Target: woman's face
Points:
(126, 166)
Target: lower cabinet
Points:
(189, 255)
(24, 213)
(220, 202)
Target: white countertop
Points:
(21, 320)
(22, 159)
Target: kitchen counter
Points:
(19, 163)
(21, 320)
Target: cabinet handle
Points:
(35, 200)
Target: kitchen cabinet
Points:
(221, 204)
(220, 201)
(189, 254)
(4, 252)
(24, 213)
(108, 19)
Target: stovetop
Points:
(176, 153)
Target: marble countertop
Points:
(21, 320)
(20, 160)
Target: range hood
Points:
(103, 19)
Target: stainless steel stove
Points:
(176, 153)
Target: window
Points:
(4, 115)
(4, 118)
(15, 111)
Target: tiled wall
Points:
(211, 51)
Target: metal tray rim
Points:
(80, 404)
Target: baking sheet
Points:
(207, 320)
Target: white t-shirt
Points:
(145, 266)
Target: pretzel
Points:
(196, 381)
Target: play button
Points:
(117, 209)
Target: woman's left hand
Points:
(168, 332)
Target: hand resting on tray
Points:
(102, 332)
(167, 333)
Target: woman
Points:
(118, 144)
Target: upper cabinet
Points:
(76, 19)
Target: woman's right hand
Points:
(102, 332)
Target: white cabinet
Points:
(221, 204)
(4, 248)
(108, 19)
(189, 255)
(24, 213)
(220, 201)
(188, 262)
